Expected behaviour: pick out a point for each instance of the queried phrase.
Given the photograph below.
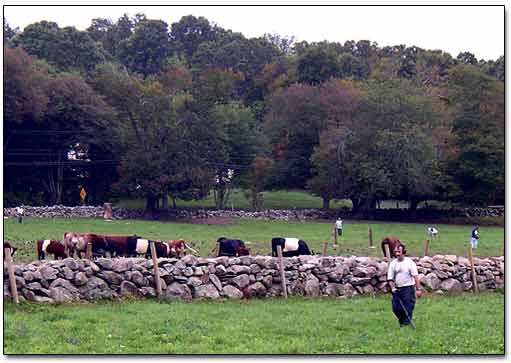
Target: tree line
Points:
(136, 107)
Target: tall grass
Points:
(452, 239)
(466, 324)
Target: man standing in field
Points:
(404, 282)
(338, 226)
(475, 237)
(20, 211)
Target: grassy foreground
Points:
(465, 324)
(452, 239)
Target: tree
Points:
(257, 181)
(317, 64)
(9, 33)
(65, 48)
(189, 32)
(479, 130)
(239, 141)
(146, 50)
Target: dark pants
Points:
(407, 297)
(339, 232)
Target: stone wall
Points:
(277, 214)
(233, 278)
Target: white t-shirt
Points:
(338, 224)
(402, 272)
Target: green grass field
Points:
(272, 200)
(465, 324)
(452, 239)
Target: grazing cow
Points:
(13, 249)
(290, 247)
(51, 247)
(140, 246)
(432, 231)
(392, 242)
(232, 247)
(118, 245)
(179, 247)
(98, 242)
(71, 240)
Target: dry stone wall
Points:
(273, 214)
(235, 278)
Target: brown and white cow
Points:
(178, 248)
(48, 246)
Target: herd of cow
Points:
(132, 246)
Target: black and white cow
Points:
(290, 247)
(137, 246)
(232, 247)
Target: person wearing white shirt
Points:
(404, 282)
(338, 226)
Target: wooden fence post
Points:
(370, 238)
(282, 274)
(12, 278)
(88, 254)
(335, 236)
(156, 269)
(387, 253)
(325, 247)
(475, 287)
(216, 251)
(426, 248)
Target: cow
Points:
(48, 246)
(118, 245)
(98, 242)
(432, 231)
(392, 242)
(179, 247)
(71, 240)
(232, 247)
(12, 248)
(139, 246)
(290, 247)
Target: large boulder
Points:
(451, 285)
(231, 292)
(208, 291)
(255, 290)
(177, 291)
(128, 289)
(241, 281)
(312, 286)
(61, 295)
(431, 282)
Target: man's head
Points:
(400, 252)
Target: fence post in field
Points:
(107, 211)
(370, 238)
(426, 248)
(156, 269)
(88, 254)
(281, 268)
(325, 247)
(216, 250)
(387, 252)
(475, 287)
(12, 278)
(335, 236)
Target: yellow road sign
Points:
(83, 194)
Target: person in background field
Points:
(338, 226)
(404, 282)
(475, 237)
(20, 211)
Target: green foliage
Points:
(146, 50)
(465, 324)
(66, 48)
